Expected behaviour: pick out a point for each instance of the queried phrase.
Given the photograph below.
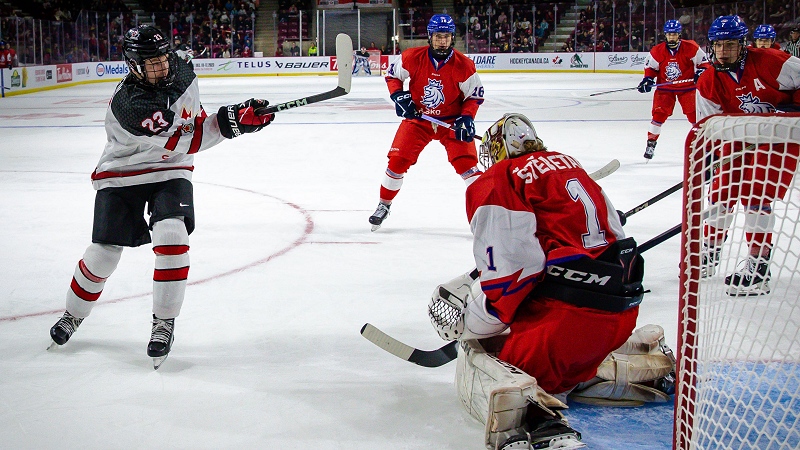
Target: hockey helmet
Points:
(672, 26)
(143, 43)
(441, 23)
(511, 136)
(727, 28)
(764, 31)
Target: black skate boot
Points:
(63, 329)
(709, 260)
(548, 434)
(650, 150)
(380, 214)
(160, 340)
(751, 279)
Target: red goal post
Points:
(738, 368)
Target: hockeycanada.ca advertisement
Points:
(18, 80)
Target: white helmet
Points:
(509, 137)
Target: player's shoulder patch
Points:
(141, 112)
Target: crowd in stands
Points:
(88, 30)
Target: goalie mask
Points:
(509, 137)
(148, 56)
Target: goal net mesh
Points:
(738, 379)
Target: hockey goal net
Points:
(738, 377)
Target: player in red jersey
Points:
(764, 37)
(555, 266)
(674, 61)
(442, 83)
(746, 80)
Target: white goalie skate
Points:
(552, 434)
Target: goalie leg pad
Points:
(628, 375)
(499, 395)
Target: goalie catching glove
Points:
(236, 120)
(458, 310)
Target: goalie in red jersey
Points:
(751, 81)
(554, 266)
(442, 83)
(674, 61)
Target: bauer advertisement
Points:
(35, 78)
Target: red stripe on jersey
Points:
(178, 274)
(104, 175)
(82, 293)
(197, 139)
(170, 250)
(89, 275)
(172, 143)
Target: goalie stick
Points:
(448, 352)
(344, 61)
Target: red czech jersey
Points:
(527, 213)
(666, 66)
(765, 79)
(445, 90)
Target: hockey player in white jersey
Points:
(361, 61)
(154, 125)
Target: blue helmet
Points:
(672, 26)
(441, 23)
(727, 28)
(764, 32)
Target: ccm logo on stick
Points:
(292, 104)
(576, 275)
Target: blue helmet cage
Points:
(441, 23)
(726, 28)
(764, 32)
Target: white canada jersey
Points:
(153, 133)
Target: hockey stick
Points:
(424, 358)
(669, 83)
(449, 352)
(344, 61)
(442, 124)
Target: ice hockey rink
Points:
(285, 271)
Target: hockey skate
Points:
(161, 339)
(547, 435)
(63, 329)
(380, 214)
(751, 279)
(709, 260)
(650, 150)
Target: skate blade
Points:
(375, 227)
(747, 292)
(53, 345)
(158, 360)
(565, 443)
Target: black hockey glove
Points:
(236, 120)
(464, 128)
(646, 85)
(403, 105)
(698, 72)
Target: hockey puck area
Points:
(49, 215)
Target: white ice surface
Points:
(284, 269)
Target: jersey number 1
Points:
(595, 236)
